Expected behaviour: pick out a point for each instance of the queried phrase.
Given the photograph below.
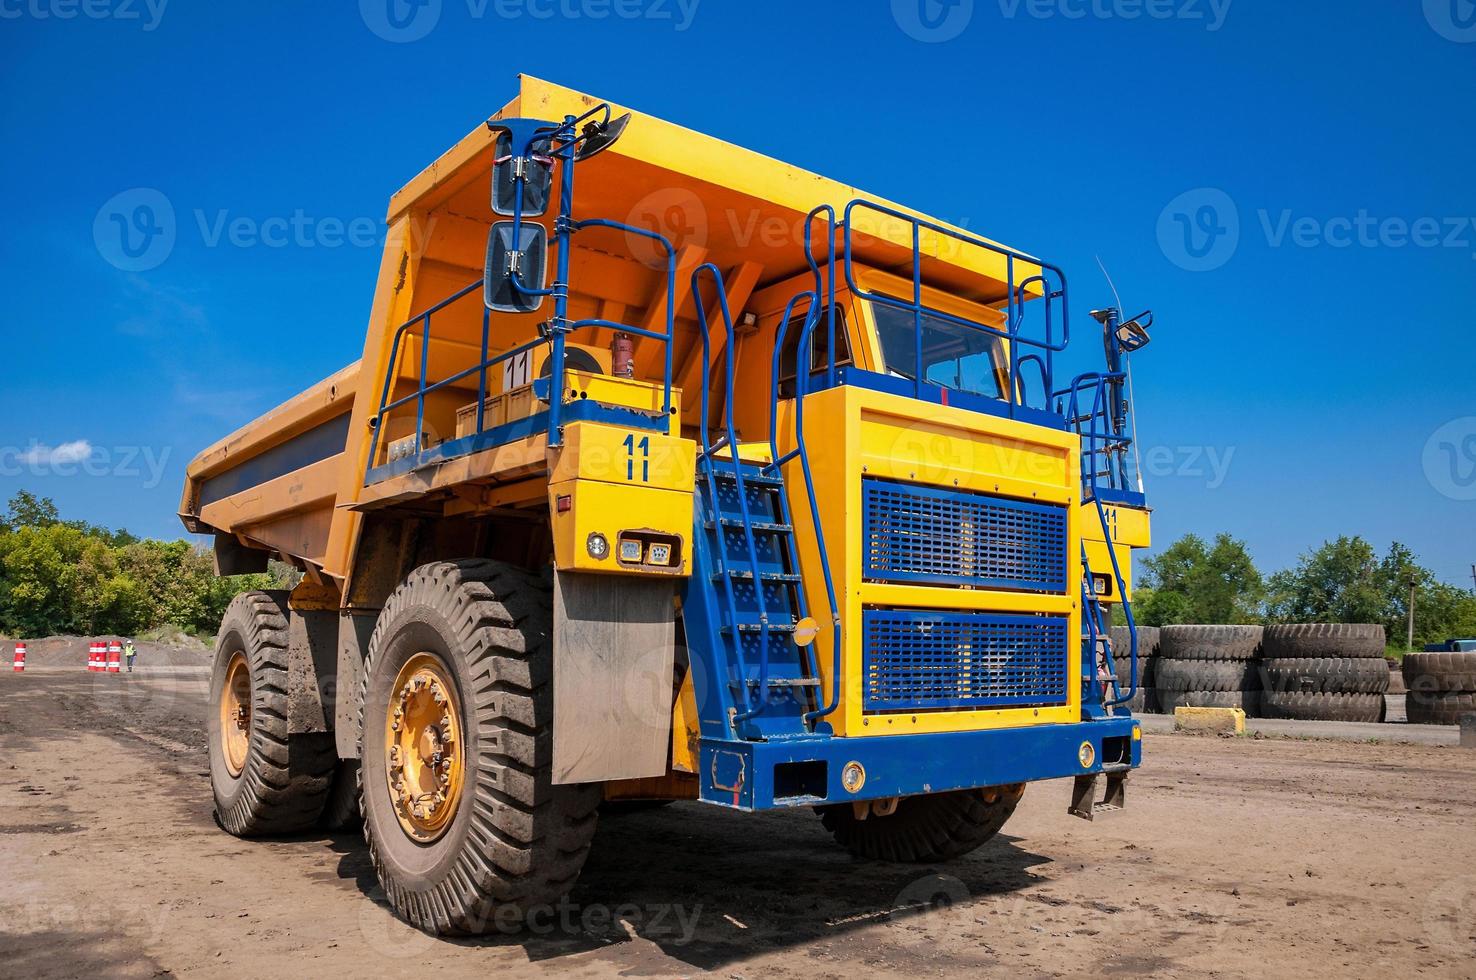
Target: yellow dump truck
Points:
(698, 478)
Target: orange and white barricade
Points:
(115, 657)
(94, 655)
(20, 657)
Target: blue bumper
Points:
(811, 771)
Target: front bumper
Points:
(813, 771)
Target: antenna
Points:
(1132, 406)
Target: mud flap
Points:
(614, 644)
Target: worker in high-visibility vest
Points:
(129, 653)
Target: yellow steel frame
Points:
(853, 433)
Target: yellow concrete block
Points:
(1210, 720)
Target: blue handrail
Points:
(801, 390)
(557, 328)
(731, 433)
(1097, 383)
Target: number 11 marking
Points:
(630, 451)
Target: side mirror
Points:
(598, 137)
(527, 257)
(1133, 335)
(522, 155)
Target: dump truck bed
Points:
(289, 482)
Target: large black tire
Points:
(1438, 708)
(1289, 640)
(1148, 641)
(515, 842)
(1326, 675)
(1206, 675)
(1249, 701)
(1147, 670)
(284, 779)
(1209, 642)
(341, 811)
(935, 827)
(1302, 706)
(1431, 672)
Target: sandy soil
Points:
(1235, 857)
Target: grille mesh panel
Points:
(921, 659)
(918, 534)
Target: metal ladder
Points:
(747, 556)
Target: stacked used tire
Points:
(1148, 641)
(1324, 672)
(1441, 687)
(1207, 667)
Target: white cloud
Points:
(68, 452)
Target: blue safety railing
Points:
(1049, 282)
(561, 141)
(1106, 468)
(1100, 444)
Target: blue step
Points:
(746, 574)
(780, 627)
(766, 527)
(754, 479)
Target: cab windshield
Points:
(954, 356)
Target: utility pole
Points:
(1473, 574)
(1409, 646)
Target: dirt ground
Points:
(1235, 857)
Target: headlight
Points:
(597, 545)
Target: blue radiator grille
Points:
(916, 660)
(918, 534)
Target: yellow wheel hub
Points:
(235, 713)
(423, 753)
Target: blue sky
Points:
(1288, 185)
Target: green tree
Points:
(28, 510)
(1339, 582)
(1195, 582)
(72, 577)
